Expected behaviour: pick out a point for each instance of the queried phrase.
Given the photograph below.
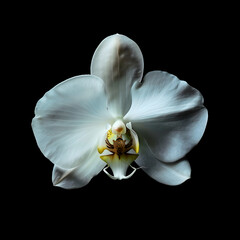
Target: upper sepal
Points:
(119, 62)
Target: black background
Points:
(55, 43)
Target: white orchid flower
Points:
(113, 117)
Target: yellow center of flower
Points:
(119, 141)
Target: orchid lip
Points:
(120, 141)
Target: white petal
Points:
(168, 113)
(69, 119)
(166, 173)
(79, 176)
(119, 62)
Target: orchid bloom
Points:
(113, 117)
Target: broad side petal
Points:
(79, 176)
(168, 113)
(166, 173)
(119, 62)
(69, 120)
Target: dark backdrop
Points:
(57, 44)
